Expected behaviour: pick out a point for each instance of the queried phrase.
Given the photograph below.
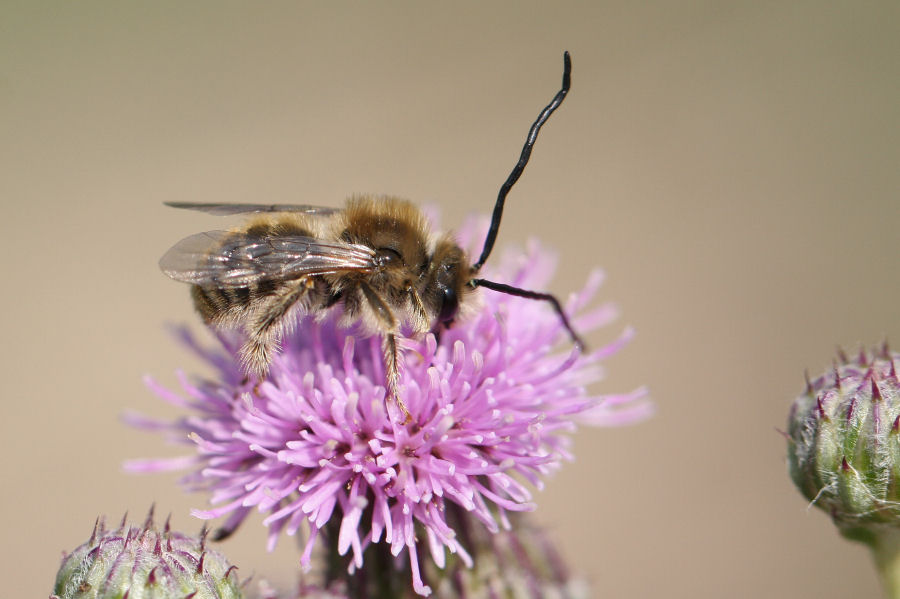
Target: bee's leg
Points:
(380, 308)
(392, 373)
(389, 345)
(265, 330)
(420, 323)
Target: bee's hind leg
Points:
(266, 328)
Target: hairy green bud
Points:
(140, 562)
(844, 445)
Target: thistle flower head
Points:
(492, 404)
(135, 562)
(844, 442)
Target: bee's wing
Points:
(224, 259)
(231, 209)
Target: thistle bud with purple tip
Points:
(141, 562)
(844, 452)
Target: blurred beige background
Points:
(732, 166)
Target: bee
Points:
(375, 258)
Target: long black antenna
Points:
(536, 295)
(523, 160)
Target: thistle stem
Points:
(886, 552)
(379, 578)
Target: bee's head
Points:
(450, 272)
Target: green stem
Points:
(886, 551)
(379, 578)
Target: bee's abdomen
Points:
(216, 304)
(213, 303)
(228, 302)
(269, 227)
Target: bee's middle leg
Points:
(389, 346)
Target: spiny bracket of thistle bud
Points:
(844, 443)
(141, 562)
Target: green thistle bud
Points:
(139, 562)
(844, 443)
(844, 452)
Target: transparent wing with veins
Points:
(230, 259)
(232, 209)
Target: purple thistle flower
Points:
(492, 405)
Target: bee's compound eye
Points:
(449, 305)
(386, 256)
